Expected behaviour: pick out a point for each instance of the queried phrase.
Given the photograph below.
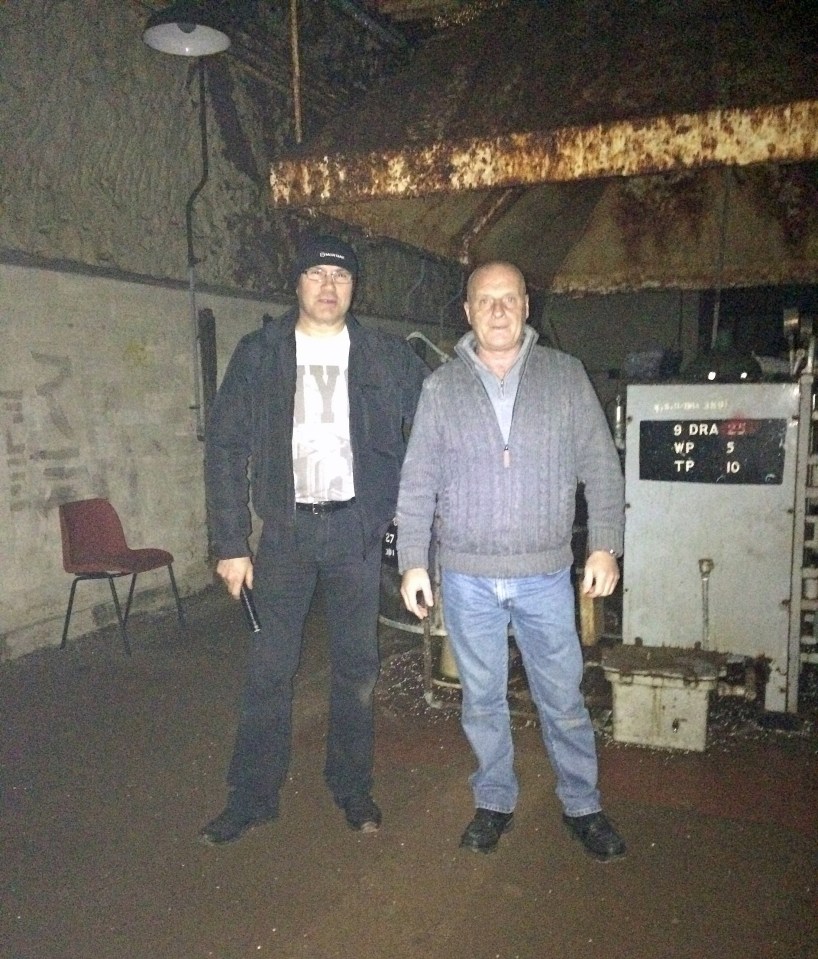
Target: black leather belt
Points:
(327, 506)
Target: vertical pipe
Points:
(415, 286)
(720, 84)
(191, 258)
(720, 258)
(705, 569)
(296, 69)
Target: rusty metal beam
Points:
(728, 137)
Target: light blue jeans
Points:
(477, 611)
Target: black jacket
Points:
(252, 420)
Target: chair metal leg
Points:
(68, 612)
(120, 618)
(179, 609)
(123, 631)
(130, 597)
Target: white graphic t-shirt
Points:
(322, 455)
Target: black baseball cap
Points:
(325, 251)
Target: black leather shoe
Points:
(483, 832)
(362, 813)
(231, 824)
(597, 835)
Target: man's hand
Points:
(416, 581)
(236, 572)
(601, 574)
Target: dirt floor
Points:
(111, 764)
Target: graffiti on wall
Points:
(40, 450)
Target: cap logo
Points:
(324, 249)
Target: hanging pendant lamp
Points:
(186, 29)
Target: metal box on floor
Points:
(661, 695)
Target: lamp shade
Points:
(186, 29)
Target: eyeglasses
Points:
(338, 277)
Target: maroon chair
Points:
(94, 547)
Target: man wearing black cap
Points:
(317, 404)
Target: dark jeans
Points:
(329, 548)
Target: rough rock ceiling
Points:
(600, 145)
(434, 14)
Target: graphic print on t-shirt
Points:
(322, 455)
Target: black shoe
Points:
(597, 835)
(362, 813)
(232, 823)
(483, 832)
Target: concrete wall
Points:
(95, 398)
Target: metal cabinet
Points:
(716, 506)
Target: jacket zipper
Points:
(506, 449)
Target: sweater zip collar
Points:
(466, 349)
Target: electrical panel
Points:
(710, 487)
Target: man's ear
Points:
(466, 308)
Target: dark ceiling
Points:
(602, 145)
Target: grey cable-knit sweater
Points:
(508, 513)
